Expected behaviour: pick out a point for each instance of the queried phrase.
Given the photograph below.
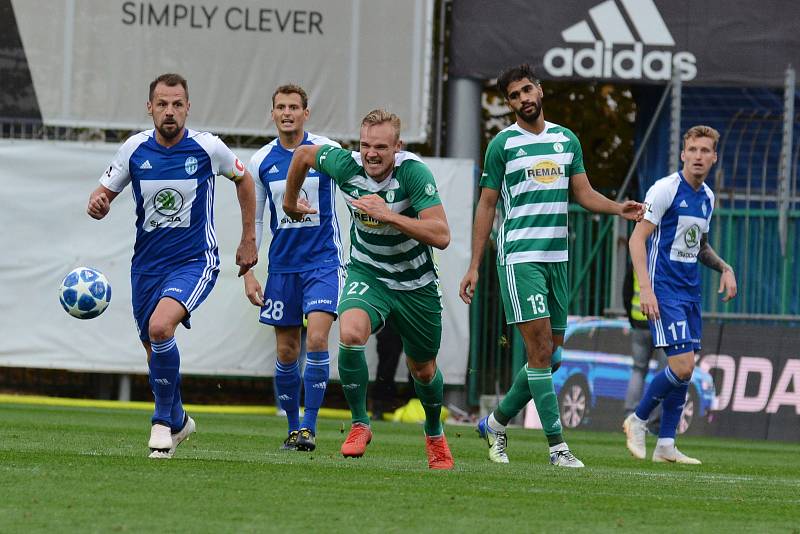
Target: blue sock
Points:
(177, 413)
(671, 410)
(165, 361)
(287, 389)
(658, 389)
(315, 380)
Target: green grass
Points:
(86, 470)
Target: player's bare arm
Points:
(304, 158)
(481, 228)
(252, 289)
(708, 257)
(430, 228)
(638, 247)
(100, 202)
(587, 197)
(246, 253)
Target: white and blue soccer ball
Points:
(85, 293)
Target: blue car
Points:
(596, 368)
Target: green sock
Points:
(354, 376)
(515, 400)
(431, 396)
(540, 382)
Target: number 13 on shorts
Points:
(538, 303)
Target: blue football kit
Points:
(175, 252)
(681, 216)
(305, 257)
(305, 272)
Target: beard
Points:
(169, 134)
(533, 115)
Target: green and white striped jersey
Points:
(532, 173)
(391, 256)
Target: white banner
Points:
(92, 60)
(45, 186)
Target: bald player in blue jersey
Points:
(171, 171)
(665, 248)
(305, 267)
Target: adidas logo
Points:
(683, 204)
(284, 397)
(319, 385)
(273, 170)
(521, 152)
(603, 60)
(146, 165)
(161, 381)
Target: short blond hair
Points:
(379, 116)
(701, 131)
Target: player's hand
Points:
(252, 289)
(632, 210)
(649, 304)
(246, 255)
(299, 210)
(374, 206)
(99, 205)
(727, 284)
(466, 290)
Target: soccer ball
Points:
(84, 293)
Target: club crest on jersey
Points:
(190, 165)
(390, 196)
(430, 189)
(545, 171)
(692, 236)
(558, 147)
(168, 202)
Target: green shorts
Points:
(534, 291)
(416, 315)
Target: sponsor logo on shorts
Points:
(173, 290)
(351, 387)
(319, 301)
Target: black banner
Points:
(746, 384)
(710, 42)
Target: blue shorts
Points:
(289, 296)
(189, 284)
(680, 327)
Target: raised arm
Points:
(638, 248)
(247, 253)
(100, 202)
(587, 197)
(304, 158)
(481, 228)
(708, 257)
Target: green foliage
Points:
(601, 115)
(86, 470)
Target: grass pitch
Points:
(67, 469)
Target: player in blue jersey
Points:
(171, 171)
(665, 248)
(305, 267)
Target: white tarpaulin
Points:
(45, 186)
(92, 60)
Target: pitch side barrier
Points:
(746, 383)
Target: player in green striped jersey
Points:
(532, 165)
(391, 277)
